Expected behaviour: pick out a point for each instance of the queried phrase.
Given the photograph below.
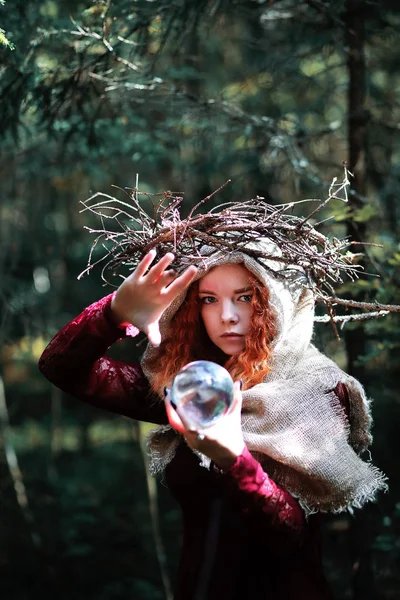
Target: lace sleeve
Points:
(265, 502)
(74, 361)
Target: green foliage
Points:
(98, 526)
(187, 95)
(395, 259)
(4, 41)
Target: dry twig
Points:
(227, 227)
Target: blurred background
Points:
(183, 95)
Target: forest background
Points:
(184, 94)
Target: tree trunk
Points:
(355, 340)
(357, 120)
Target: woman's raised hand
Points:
(143, 296)
(222, 442)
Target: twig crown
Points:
(227, 227)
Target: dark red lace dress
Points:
(244, 537)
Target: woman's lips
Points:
(231, 335)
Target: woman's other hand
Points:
(222, 442)
(143, 296)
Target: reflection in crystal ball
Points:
(202, 393)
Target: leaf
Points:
(4, 41)
(395, 260)
(341, 213)
(364, 214)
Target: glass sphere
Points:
(202, 392)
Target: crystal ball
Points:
(202, 392)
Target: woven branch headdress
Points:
(228, 227)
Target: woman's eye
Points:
(207, 299)
(246, 297)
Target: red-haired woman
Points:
(247, 485)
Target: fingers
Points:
(236, 405)
(237, 391)
(145, 263)
(153, 334)
(167, 277)
(177, 423)
(158, 270)
(181, 282)
(173, 417)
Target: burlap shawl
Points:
(293, 422)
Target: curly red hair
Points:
(189, 341)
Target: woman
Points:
(249, 484)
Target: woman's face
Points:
(225, 294)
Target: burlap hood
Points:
(293, 422)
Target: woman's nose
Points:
(228, 313)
